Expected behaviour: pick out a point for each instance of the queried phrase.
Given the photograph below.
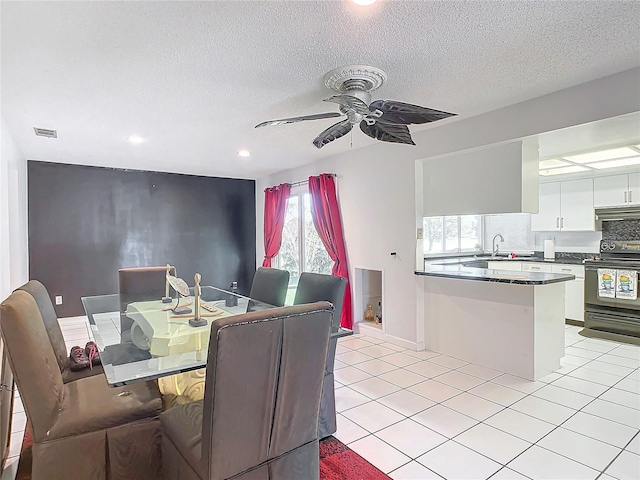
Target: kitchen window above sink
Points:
(452, 234)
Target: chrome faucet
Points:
(495, 245)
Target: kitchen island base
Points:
(513, 328)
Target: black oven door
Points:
(593, 301)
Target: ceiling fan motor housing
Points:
(356, 80)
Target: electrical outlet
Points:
(419, 234)
(58, 299)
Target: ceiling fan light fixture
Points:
(363, 3)
(244, 153)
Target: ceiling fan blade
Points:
(349, 101)
(387, 132)
(400, 113)
(283, 121)
(334, 131)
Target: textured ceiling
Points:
(193, 78)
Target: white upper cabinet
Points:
(576, 205)
(612, 191)
(617, 190)
(634, 189)
(566, 206)
(548, 218)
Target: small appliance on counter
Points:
(612, 304)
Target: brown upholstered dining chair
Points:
(81, 429)
(270, 286)
(48, 314)
(259, 416)
(315, 287)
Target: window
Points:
(443, 235)
(301, 249)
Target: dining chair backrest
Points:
(270, 286)
(316, 287)
(262, 393)
(41, 296)
(32, 361)
(141, 283)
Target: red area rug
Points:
(24, 464)
(337, 462)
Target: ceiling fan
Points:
(384, 120)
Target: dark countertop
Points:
(476, 260)
(491, 275)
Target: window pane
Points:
(451, 234)
(470, 233)
(316, 258)
(289, 255)
(433, 235)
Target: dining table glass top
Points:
(142, 338)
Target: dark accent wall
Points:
(87, 222)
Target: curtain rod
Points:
(305, 182)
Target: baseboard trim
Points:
(380, 335)
(577, 323)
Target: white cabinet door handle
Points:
(566, 270)
(630, 192)
(557, 222)
(561, 222)
(625, 197)
(535, 268)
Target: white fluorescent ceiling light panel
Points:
(554, 163)
(561, 170)
(623, 162)
(614, 153)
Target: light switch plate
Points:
(58, 299)
(419, 236)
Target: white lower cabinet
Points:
(537, 267)
(574, 291)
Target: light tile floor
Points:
(420, 415)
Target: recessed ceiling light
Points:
(544, 164)
(363, 2)
(135, 139)
(560, 171)
(602, 155)
(244, 153)
(622, 162)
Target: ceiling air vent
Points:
(43, 132)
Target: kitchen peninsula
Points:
(509, 321)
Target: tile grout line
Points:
(505, 407)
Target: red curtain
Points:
(328, 222)
(275, 204)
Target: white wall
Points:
(14, 269)
(377, 184)
(581, 242)
(490, 180)
(376, 194)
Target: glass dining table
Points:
(143, 339)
